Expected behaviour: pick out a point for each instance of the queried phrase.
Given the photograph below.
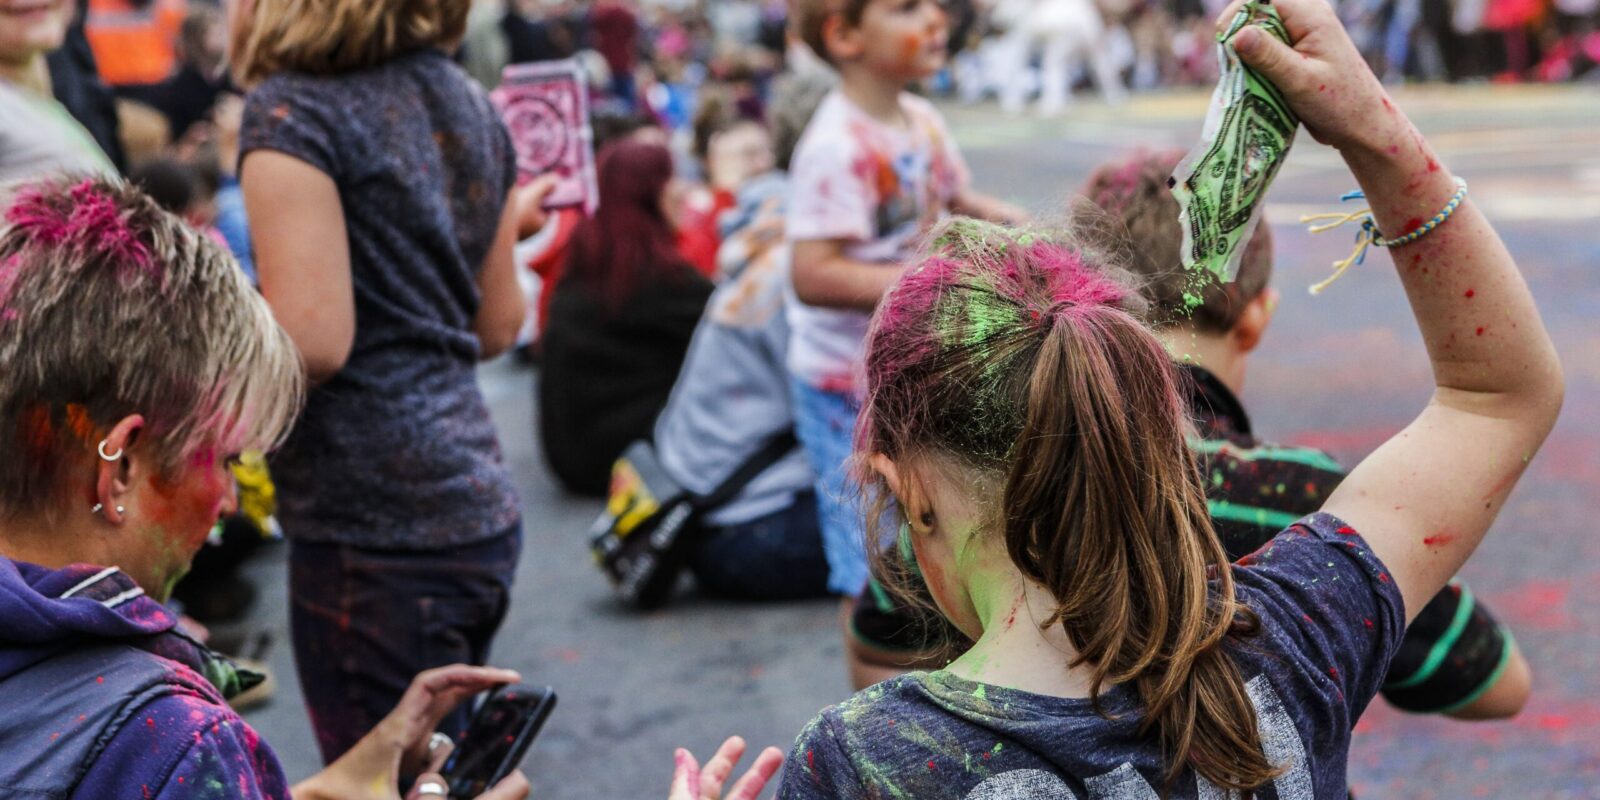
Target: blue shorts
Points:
(825, 423)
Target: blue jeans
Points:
(775, 557)
(824, 422)
(365, 621)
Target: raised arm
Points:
(1426, 497)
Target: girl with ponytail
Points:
(1024, 432)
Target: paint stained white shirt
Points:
(877, 188)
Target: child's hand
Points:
(689, 782)
(530, 197)
(1323, 77)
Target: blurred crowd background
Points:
(147, 77)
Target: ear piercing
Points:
(98, 507)
(107, 457)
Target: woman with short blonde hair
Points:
(137, 364)
(377, 175)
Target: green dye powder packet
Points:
(1220, 184)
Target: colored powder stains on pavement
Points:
(1537, 604)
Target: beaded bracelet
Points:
(1369, 234)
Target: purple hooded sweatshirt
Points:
(101, 697)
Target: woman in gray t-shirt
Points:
(376, 175)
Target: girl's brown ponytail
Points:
(1011, 355)
(1104, 507)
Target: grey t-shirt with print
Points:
(1331, 619)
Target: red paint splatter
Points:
(1439, 539)
(1413, 224)
(1480, 331)
(1346, 531)
(1433, 166)
(1383, 577)
(100, 679)
(1333, 672)
(1470, 293)
(1367, 621)
(930, 765)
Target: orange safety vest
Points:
(133, 44)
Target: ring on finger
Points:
(432, 789)
(438, 740)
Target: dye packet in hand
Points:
(545, 106)
(1220, 184)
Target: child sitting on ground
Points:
(1032, 435)
(875, 169)
(732, 398)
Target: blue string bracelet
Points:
(1369, 235)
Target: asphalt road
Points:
(1340, 371)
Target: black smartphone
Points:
(497, 739)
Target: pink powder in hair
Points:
(1072, 282)
(10, 270)
(92, 223)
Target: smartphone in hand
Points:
(497, 739)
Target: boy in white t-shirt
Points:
(874, 170)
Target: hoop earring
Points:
(108, 458)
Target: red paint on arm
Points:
(1439, 539)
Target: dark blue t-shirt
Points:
(1331, 618)
(397, 450)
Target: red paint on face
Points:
(188, 505)
(911, 47)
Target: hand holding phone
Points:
(497, 739)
